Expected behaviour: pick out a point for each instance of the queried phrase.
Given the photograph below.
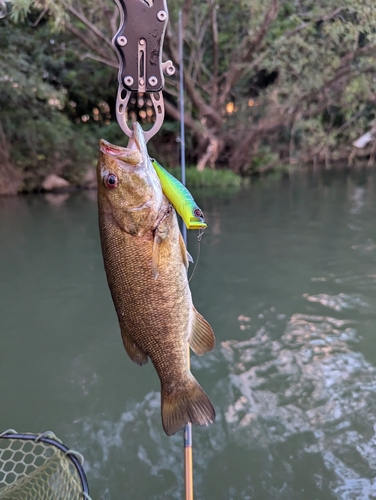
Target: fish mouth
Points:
(113, 150)
(130, 156)
(110, 149)
(134, 153)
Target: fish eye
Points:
(197, 212)
(110, 181)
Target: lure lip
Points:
(197, 224)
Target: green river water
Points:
(287, 279)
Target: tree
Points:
(53, 109)
(282, 79)
(266, 82)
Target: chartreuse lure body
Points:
(181, 198)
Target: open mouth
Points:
(131, 156)
(110, 149)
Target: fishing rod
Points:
(188, 438)
(139, 43)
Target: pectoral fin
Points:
(160, 234)
(187, 257)
(202, 338)
(155, 258)
(133, 351)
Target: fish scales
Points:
(137, 310)
(146, 266)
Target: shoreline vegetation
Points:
(209, 178)
(269, 86)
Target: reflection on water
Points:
(287, 279)
(338, 302)
(56, 199)
(313, 385)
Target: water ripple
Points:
(312, 382)
(338, 302)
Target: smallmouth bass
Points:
(146, 264)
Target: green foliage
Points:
(208, 178)
(271, 82)
(30, 105)
(263, 157)
(323, 96)
(53, 108)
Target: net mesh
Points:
(36, 470)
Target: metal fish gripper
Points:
(139, 43)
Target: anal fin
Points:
(202, 338)
(133, 351)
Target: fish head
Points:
(129, 190)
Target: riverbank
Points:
(208, 178)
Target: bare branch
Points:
(327, 17)
(40, 17)
(187, 9)
(194, 95)
(283, 116)
(90, 25)
(358, 52)
(109, 14)
(210, 155)
(102, 60)
(92, 46)
(188, 120)
(351, 120)
(215, 51)
(265, 126)
(251, 46)
(343, 71)
(197, 54)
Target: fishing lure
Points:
(181, 198)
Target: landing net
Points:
(40, 467)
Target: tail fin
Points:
(189, 403)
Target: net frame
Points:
(49, 438)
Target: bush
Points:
(208, 178)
